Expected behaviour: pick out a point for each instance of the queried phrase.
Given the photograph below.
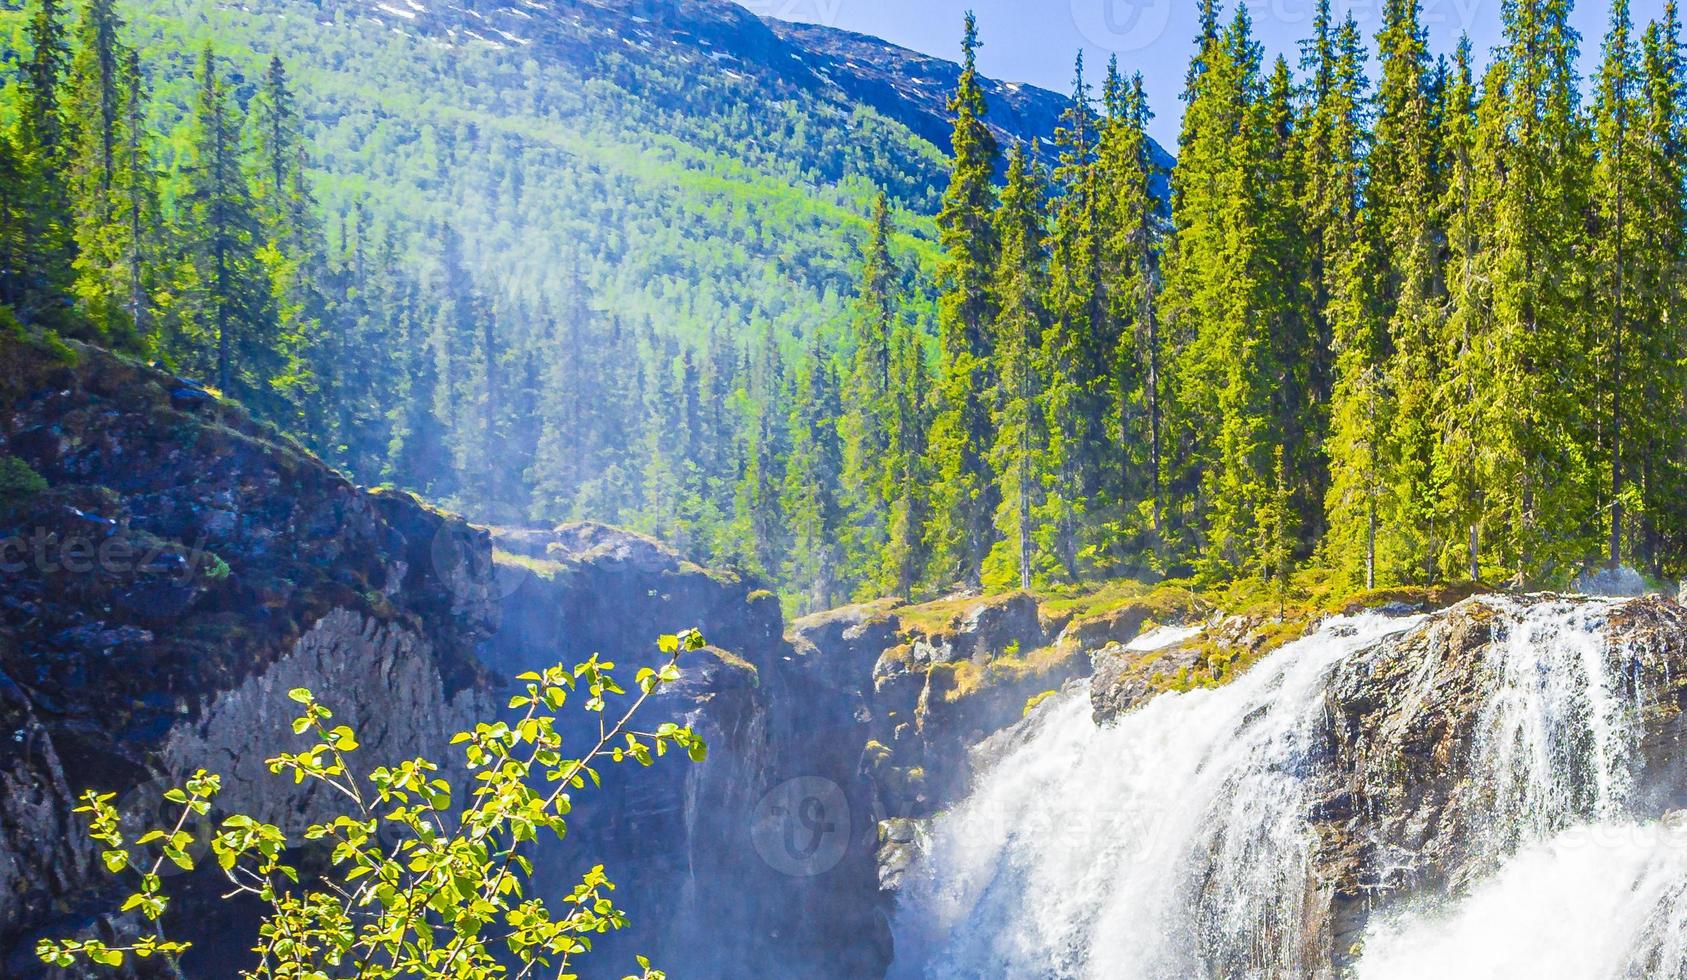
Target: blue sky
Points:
(1035, 40)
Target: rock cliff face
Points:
(703, 850)
(937, 690)
(182, 568)
(173, 568)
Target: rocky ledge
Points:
(934, 687)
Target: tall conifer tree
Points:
(1342, 246)
(1132, 232)
(1403, 196)
(906, 554)
(1659, 448)
(963, 492)
(1620, 258)
(135, 240)
(228, 303)
(1019, 420)
(812, 473)
(46, 242)
(868, 404)
(94, 106)
(1541, 486)
(1219, 302)
(1077, 343)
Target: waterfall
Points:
(1177, 841)
(1584, 887)
(1136, 849)
(1594, 902)
(1556, 731)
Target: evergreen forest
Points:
(1404, 316)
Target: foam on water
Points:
(1594, 902)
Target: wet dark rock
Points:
(937, 682)
(1124, 678)
(899, 849)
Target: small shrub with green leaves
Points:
(18, 482)
(420, 884)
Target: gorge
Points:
(998, 786)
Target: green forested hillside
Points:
(685, 192)
(678, 274)
(506, 260)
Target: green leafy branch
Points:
(420, 886)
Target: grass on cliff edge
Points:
(1270, 617)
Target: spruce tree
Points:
(908, 554)
(14, 225)
(1018, 418)
(94, 109)
(135, 241)
(1293, 369)
(1335, 137)
(1077, 344)
(963, 494)
(1224, 293)
(561, 462)
(1470, 146)
(46, 242)
(1200, 268)
(1541, 486)
(759, 541)
(868, 401)
(1132, 232)
(228, 297)
(810, 494)
(280, 160)
(1659, 448)
(1403, 197)
(293, 255)
(41, 120)
(1620, 256)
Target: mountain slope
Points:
(704, 168)
(913, 88)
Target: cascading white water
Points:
(1147, 848)
(1595, 902)
(1556, 731)
(1585, 888)
(1176, 842)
